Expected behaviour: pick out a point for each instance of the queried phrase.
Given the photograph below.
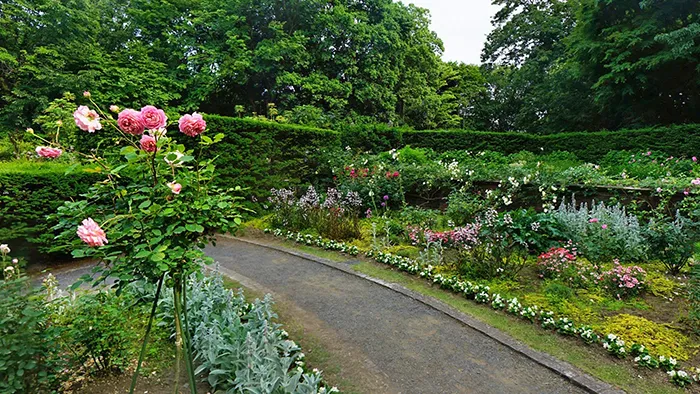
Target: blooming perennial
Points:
(153, 118)
(91, 233)
(48, 152)
(192, 125)
(148, 143)
(131, 122)
(87, 119)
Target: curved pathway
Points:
(387, 342)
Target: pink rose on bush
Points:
(192, 125)
(148, 143)
(593, 220)
(131, 122)
(175, 187)
(114, 108)
(86, 119)
(45, 151)
(153, 118)
(91, 233)
(604, 227)
(695, 181)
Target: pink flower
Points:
(86, 119)
(649, 153)
(192, 125)
(695, 159)
(175, 187)
(696, 181)
(593, 220)
(658, 190)
(114, 108)
(604, 227)
(153, 118)
(686, 191)
(148, 143)
(131, 122)
(45, 151)
(91, 233)
(86, 94)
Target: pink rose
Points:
(86, 94)
(695, 159)
(175, 187)
(695, 181)
(659, 190)
(45, 151)
(148, 143)
(91, 233)
(114, 108)
(86, 119)
(131, 122)
(153, 118)
(594, 220)
(192, 125)
(604, 227)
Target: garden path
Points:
(384, 341)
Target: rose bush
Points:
(153, 211)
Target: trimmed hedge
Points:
(261, 155)
(30, 192)
(679, 140)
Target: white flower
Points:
(4, 249)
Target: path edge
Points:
(562, 368)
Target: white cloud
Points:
(461, 24)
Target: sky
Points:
(461, 24)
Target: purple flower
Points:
(383, 204)
(386, 198)
(368, 214)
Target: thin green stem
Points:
(145, 337)
(184, 343)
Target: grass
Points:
(316, 354)
(588, 359)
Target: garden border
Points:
(566, 370)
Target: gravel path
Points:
(388, 342)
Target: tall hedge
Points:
(680, 140)
(30, 192)
(261, 155)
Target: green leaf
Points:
(156, 257)
(142, 254)
(145, 204)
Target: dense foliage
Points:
(31, 192)
(547, 64)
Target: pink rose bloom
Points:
(45, 151)
(148, 143)
(131, 122)
(86, 119)
(192, 125)
(658, 190)
(153, 118)
(91, 233)
(604, 227)
(114, 108)
(175, 187)
(695, 181)
(594, 220)
(695, 159)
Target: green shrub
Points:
(30, 192)
(29, 361)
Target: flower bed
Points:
(482, 294)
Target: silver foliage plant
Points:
(602, 232)
(238, 345)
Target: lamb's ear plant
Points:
(154, 210)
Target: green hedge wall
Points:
(30, 192)
(680, 140)
(261, 155)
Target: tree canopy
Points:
(548, 65)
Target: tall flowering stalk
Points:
(153, 212)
